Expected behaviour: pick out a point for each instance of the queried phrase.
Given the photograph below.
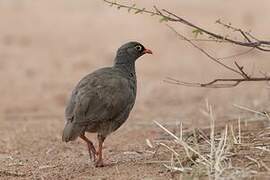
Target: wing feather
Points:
(99, 96)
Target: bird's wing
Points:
(99, 96)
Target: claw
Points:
(92, 152)
(99, 163)
(91, 148)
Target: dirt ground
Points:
(46, 47)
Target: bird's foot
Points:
(92, 152)
(99, 163)
(91, 148)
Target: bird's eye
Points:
(138, 48)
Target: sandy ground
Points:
(47, 46)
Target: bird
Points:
(102, 100)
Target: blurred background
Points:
(46, 47)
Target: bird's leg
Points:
(91, 148)
(99, 162)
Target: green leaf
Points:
(164, 19)
(197, 32)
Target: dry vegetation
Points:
(236, 150)
(47, 46)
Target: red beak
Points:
(147, 51)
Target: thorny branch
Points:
(250, 41)
(172, 17)
(216, 83)
(204, 52)
(226, 83)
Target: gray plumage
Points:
(101, 102)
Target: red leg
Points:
(99, 162)
(91, 148)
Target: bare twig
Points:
(241, 69)
(237, 54)
(246, 35)
(256, 44)
(249, 109)
(204, 52)
(172, 17)
(254, 161)
(231, 82)
(249, 41)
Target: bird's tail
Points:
(71, 131)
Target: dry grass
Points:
(232, 151)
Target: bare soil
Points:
(46, 47)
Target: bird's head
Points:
(131, 51)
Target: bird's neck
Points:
(125, 65)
